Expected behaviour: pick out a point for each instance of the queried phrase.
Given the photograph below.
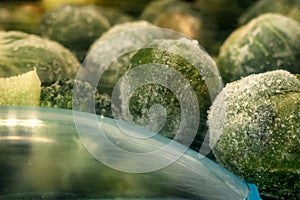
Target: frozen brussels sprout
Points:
(170, 54)
(74, 26)
(268, 42)
(21, 52)
(289, 8)
(255, 130)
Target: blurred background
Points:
(210, 22)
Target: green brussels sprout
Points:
(180, 16)
(20, 16)
(143, 99)
(21, 52)
(60, 95)
(268, 42)
(255, 130)
(74, 26)
(289, 8)
(23, 90)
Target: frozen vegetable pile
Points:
(253, 121)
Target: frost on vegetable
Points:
(268, 42)
(254, 125)
(21, 52)
(153, 100)
(20, 90)
(60, 95)
(74, 26)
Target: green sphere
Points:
(268, 42)
(21, 52)
(171, 54)
(74, 26)
(255, 131)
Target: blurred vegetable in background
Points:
(78, 26)
(289, 8)
(222, 13)
(74, 26)
(22, 16)
(268, 42)
(180, 16)
(21, 52)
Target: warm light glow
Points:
(20, 122)
(25, 138)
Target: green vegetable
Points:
(268, 42)
(113, 15)
(254, 123)
(23, 90)
(20, 16)
(289, 8)
(21, 52)
(74, 26)
(148, 95)
(180, 16)
(60, 95)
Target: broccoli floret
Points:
(60, 95)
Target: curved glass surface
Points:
(42, 156)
